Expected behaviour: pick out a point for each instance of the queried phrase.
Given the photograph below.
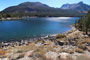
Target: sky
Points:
(53, 3)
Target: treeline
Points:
(41, 14)
(83, 23)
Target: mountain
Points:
(38, 9)
(81, 7)
(27, 7)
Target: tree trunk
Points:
(86, 30)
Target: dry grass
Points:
(81, 46)
(69, 57)
(79, 50)
(60, 36)
(39, 53)
(83, 57)
(26, 48)
(67, 50)
(47, 42)
(2, 53)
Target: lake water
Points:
(34, 27)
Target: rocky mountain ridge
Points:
(81, 7)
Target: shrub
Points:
(88, 49)
(79, 50)
(81, 46)
(39, 41)
(67, 51)
(60, 36)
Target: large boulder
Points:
(61, 43)
(26, 58)
(29, 53)
(63, 55)
(51, 55)
(17, 56)
(5, 58)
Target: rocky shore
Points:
(73, 45)
(14, 18)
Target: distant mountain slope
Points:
(27, 7)
(32, 7)
(81, 7)
(38, 9)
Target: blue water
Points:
(34, 27)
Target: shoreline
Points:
(30, 40)
(16, 18)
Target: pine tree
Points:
(84, 23)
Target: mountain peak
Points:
(77, 6)
(27, 7)
(30, 3)
(81, 2)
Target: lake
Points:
(34, 27)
